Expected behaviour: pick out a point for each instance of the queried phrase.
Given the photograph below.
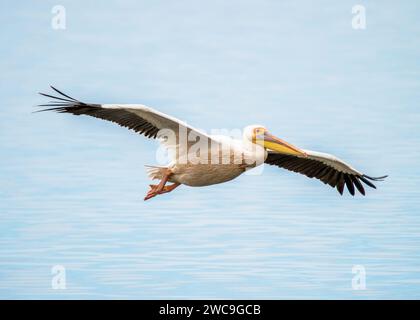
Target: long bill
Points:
(276, 144)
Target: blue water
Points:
(72, 187)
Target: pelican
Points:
(197, 167)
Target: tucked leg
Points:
(153, 187)
(166, 188)
(161, 188)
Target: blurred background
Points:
(72, 188)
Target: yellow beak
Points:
(273, 143)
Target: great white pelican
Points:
(218, 158)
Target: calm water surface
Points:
(72, 187)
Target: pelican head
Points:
(259, 135)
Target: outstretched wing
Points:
(325, 167)
(140, 118)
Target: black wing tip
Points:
(62, 102)
(353, 184)
(56, 108)
(375, 178)
(352, 181)
(61, 96)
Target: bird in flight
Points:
(198, 159)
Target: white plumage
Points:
(199, 159)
